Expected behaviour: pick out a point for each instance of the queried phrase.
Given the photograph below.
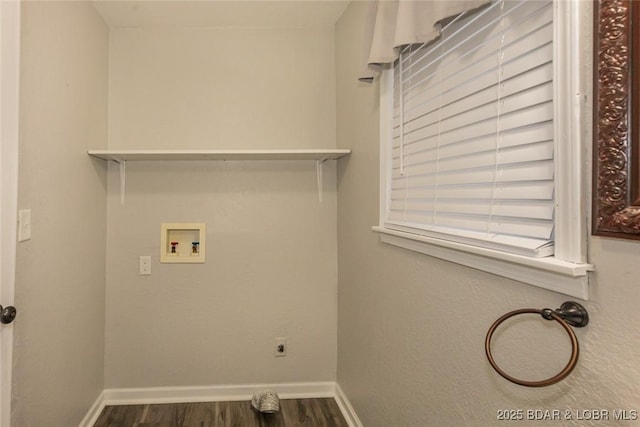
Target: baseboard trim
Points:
(218, 393)
(345, 407)
(94, 412)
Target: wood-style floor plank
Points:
(125, 415)
(293, 413)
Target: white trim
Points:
(401, 105)
(347, 410)
(94, 412)
(9, 131)
(216, 393)
(386, 134)
(571, 226)
(548, 273)
(221, 393)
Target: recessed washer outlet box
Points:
(182, 242)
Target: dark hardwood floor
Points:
(293, 413)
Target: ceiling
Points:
(220, 13)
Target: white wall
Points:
(212, 88)
(271, 265)
(59, 333)
(411, 328)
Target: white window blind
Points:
(472, 157)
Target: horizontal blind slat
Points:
(539, 132)
(487, 158)
(486, 68)
(477, 123)
(480, 108)
(515, 244)
(523, 172)
(540, 210)
(438, 98)
(531, 15)
(538, 229)
(482, 123)
(474, 93)
(478, 56)
(536, 190)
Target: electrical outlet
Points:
(145, 265)
(280, 347)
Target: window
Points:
(481, 148)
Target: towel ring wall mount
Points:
(569, 314)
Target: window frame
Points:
(567, 271)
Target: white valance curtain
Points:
(395, 23)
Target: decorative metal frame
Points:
(616, 151)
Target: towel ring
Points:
(569, 314)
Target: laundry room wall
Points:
(271, 267)
(58, 356)
(412, 327)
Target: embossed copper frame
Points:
(616, 174)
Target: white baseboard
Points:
(217, 393)
(345, 407)
(94, 412)
(139, 396)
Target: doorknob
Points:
(7, 314)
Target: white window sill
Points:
(548, 273)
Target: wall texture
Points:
(220, 88)
(411, 328)
(271, 267)
(59, 333)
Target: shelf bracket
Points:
(123, 174)
(320, 176)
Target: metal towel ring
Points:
(569, 314)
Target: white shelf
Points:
(123, 156)
(146, 155)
